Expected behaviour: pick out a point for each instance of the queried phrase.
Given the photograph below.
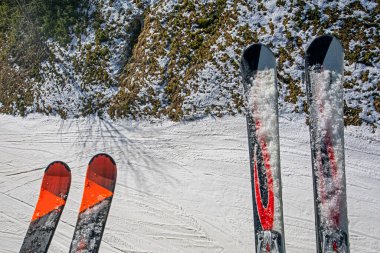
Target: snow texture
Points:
(182, 187)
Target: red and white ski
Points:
(52, 199)
(258, 66)
(96, 202)
(324, 74)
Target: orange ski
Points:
(53, 194)
(96, 201)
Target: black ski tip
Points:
(317, 50)
(257, 57)
(326, 51)
(58, 162)
(251, 56)
(103, 154)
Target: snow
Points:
(181, 187)
(64, 84)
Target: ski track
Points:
(181, 187)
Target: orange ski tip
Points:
(47, 202)
(93, 194)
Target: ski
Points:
(324, 75)
(51, 201)
(96, 202)
(258, 67)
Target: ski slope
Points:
(181, 187)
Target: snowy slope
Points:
(179, 59)
(182, 187)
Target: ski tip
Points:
(326, 51)
(58, 168)
(100, 180)
(258, 57)
(55, 188)
(104, 155)
(325, 39)
(102, 166)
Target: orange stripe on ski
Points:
(47, 202)
(93, 194)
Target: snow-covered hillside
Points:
(181, 187)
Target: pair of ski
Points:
(324, 71)
(97, 196)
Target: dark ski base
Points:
(257, 58)
(324, 59)
(96, 202)
(54, 190)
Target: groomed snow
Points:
(181, 187)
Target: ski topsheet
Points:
(324, 70)
(258, 66)
(97, 197)
(51, 201)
